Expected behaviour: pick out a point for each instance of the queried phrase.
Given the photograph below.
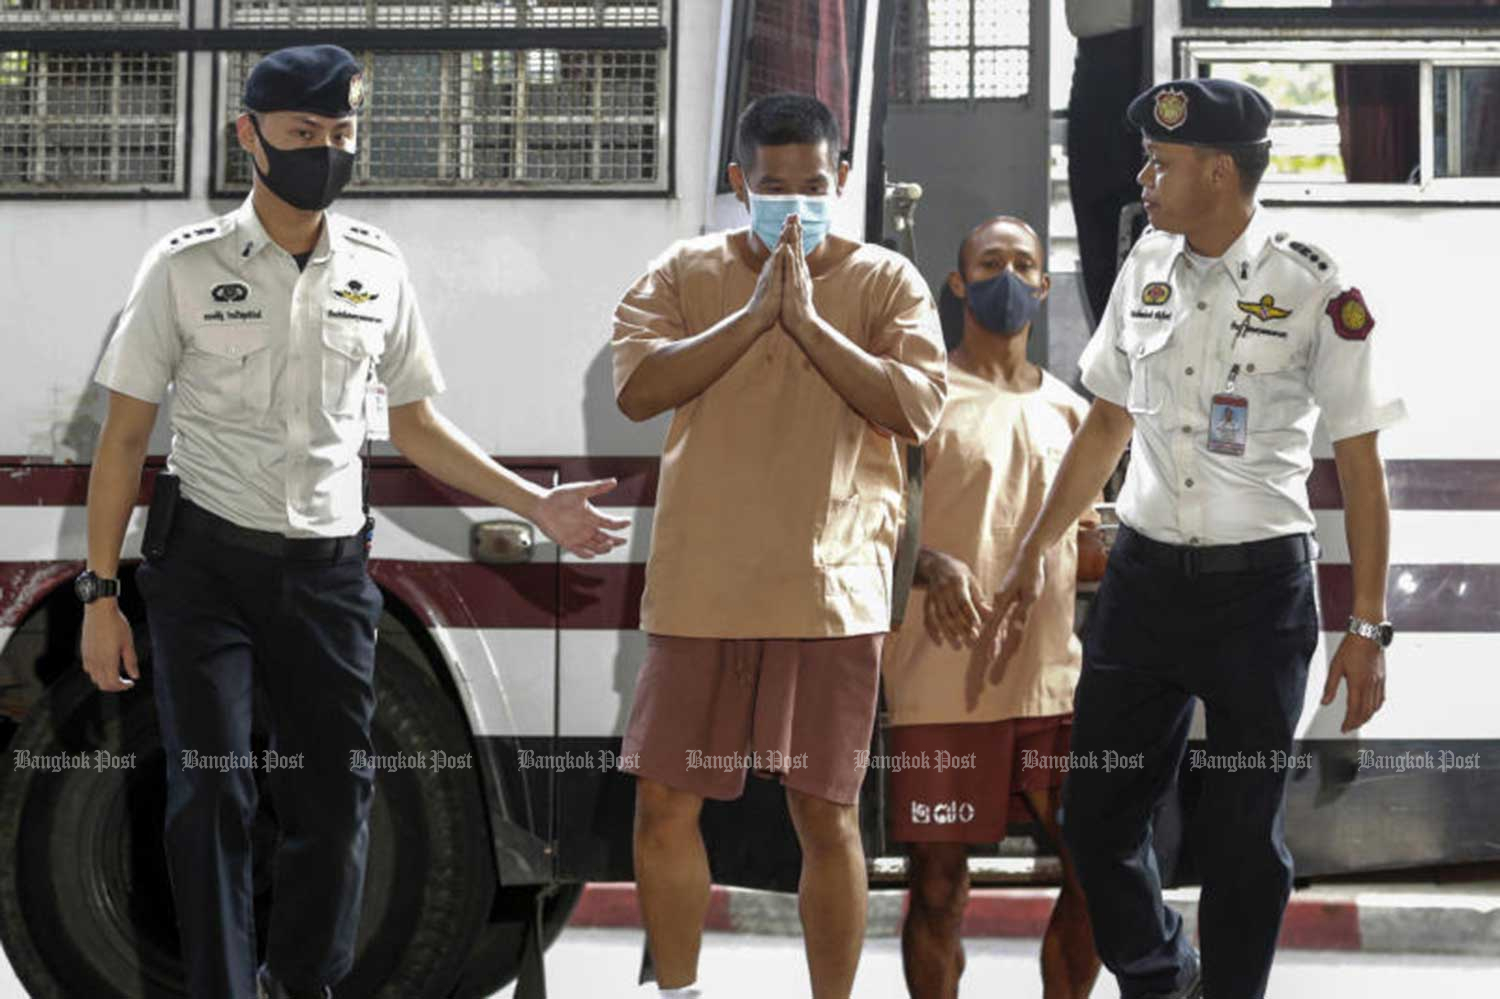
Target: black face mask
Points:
(1004, 304)
(305, 178)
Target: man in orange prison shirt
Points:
(795, 362)
(963, 751)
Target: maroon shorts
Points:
(955, 783)
(708, 709)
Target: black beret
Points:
(319, 79)
(1202, 113)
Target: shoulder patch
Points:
(1351, 318)
(1314, 258)
(193, 235)
(368, 235)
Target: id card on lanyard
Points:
(1229, 420)
(377, 412)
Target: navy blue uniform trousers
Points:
(223, 621)
(1157, 638)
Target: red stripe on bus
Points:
(1439, 598)
(1452, 597)
(393, 482)
(1420, 484)
(1430, 598)
(530, 595)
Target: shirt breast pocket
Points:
(228, 370)
(350, 349)
(1272, 378)
(1145, 346)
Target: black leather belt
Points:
(1251, 556)
(199, 522)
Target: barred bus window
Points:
(96, 122)
(478, 121)
(960, 50)
(89, 122)
(452, 14)
(65, 14)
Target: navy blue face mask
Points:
(1003, 305)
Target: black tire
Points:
(85, 904)
(496, 957)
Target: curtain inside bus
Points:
(1379, 119)
(800, 46)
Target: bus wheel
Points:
(86, 906)
(496, 957)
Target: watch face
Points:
(1387, 634)
(86, 586)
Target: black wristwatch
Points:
(1382, 632)
(90, 587)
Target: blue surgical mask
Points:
(768, 214)
(1003, 304)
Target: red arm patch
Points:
(1351, 318)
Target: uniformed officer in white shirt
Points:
(1223, 340)
(287, 333)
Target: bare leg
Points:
(1069, 962)
(833, 892)
(672, 880)
(932, 949)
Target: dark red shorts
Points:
(956, 783)
(706, 710)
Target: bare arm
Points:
(1367, 525)
(681, 370)
(446, 453)
(860, 378)
(114, 483)
(1090, 460)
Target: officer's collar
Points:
(251, 237)
(1240, 259)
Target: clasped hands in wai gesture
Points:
(784, 291)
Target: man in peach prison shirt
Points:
(796, 361)
(989, 751)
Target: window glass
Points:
(1466, 118)
(946, 50)
(1339, 122)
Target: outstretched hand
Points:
(566, 516)
(1020, 588)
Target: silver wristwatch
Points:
(1382, 632)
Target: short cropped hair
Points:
(1250, 161)
(785, 120)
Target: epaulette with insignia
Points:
(1314, 258)
(193, 235)
(368, 235)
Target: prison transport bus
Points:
(530, 157)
